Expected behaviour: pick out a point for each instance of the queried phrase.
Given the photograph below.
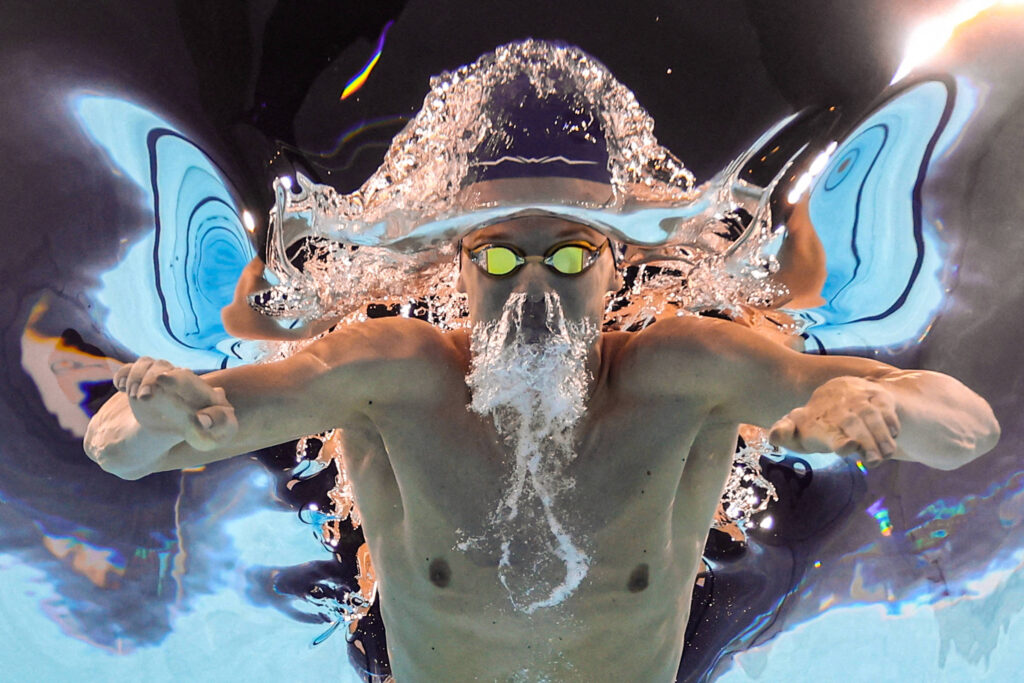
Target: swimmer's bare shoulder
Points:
(739, 375)
(680, 355)
(394, 359)
(183, 420)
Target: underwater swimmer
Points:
(532, 487)
(653, 447)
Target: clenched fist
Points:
(164, 398)
(845, 415)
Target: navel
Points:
(440, 573)
(639, 579)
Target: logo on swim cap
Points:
(553, 135)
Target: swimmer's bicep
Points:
(380, 362)
(763, 380)
(329, 384)
(291, 398)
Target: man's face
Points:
(582, 296)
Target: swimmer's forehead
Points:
(535, 232)
(542, 190)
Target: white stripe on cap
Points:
(536, 160)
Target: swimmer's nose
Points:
(533, 281)
(534, 289)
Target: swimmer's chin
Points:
(533, 335)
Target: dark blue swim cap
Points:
(556, 135)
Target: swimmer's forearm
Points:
(117, 442)
(943, 424)
(240, 320)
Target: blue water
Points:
(126, 233)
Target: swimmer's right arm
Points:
(166, 418)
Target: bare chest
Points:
(466, 526)
(455, 466)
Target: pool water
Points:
(140, 153)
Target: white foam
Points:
(535, 390)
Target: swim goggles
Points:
(564, 258)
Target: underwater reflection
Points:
(900, 260)
(886, 263)
(173, 282)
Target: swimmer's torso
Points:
(428, 475)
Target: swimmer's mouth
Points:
(535, 322)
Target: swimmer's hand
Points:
(168, 399)
(846, 416)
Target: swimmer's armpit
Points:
(242, 321)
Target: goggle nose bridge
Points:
(535, 258)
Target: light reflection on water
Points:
(164, 298)
(182, 573)
(886, 268)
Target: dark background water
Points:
(252, 89)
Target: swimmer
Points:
(653, 450)
(531, 487)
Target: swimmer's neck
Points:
(594, 368)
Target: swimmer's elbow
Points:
(109, 452)
(962, 449)
(113, 461)
(128, 474)
(93, 443)
(987, 438)
(982, 438)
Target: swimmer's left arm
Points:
(921, 416)
(242, 321)
(857, 406)
(844, 404)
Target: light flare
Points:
(807, 179)
(881, 515)
(928, 39)
(357, 82)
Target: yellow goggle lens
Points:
(569, 259)
(500, 260)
